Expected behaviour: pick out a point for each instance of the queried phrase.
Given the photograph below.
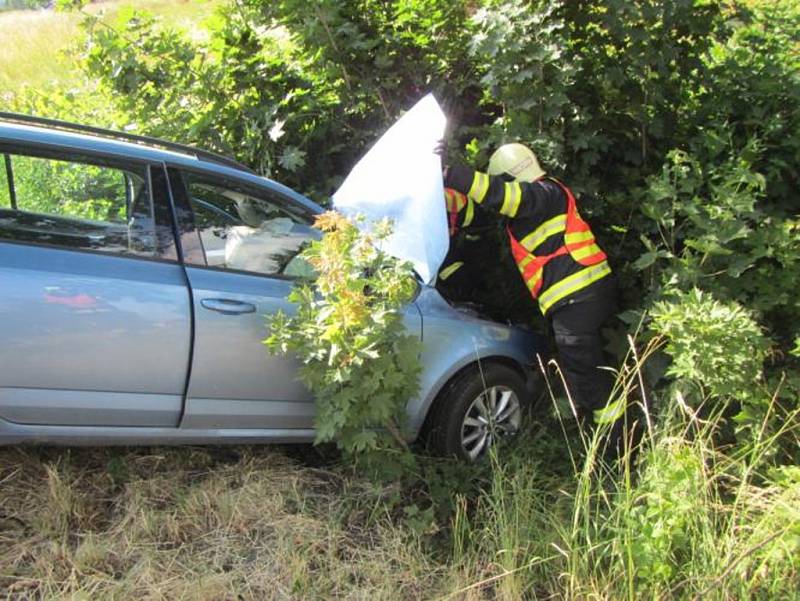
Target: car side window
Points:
(246, 230)
(5, 194)
(77, 204)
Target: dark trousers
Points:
(580, 351)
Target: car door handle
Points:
(228, 306)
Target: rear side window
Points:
(77, 204)
(248, 230)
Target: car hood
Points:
(400, 179)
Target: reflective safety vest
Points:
(579, 243)
(455, 202)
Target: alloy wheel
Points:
(495, 413)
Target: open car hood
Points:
(400, 178)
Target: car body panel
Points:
(263, 391)
(11, 433)
(84, 334)
(235, 382)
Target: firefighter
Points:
(558, 258)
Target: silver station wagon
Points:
(135, 275)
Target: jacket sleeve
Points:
(492, 192)
(460, 210)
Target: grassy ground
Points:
(34, 43)
(230, 523)
(548, 519)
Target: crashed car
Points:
(135, 275)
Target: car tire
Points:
(479, 406)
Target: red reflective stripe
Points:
(535, 267)
(595, 258)
(574, 222)
(517, 250)
(574, 225)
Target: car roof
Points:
(69, 136)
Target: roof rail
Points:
(125, 136)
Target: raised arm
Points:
(493, 192)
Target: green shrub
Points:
(357, 357)
(675, 120)
(661, 526)
(715, 346)
(246, 92)
(278, 83)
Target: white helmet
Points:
(517, 160)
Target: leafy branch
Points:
(357, 357)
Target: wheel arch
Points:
(448, 381)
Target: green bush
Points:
(714, 346)
(348, 333)
(675, 121)
(278, 83)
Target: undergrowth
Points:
(686, 515)
(680, 516)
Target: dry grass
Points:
(33, 44)
(247, 523)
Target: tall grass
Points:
(554, 517)
(688, 513)
(679, 516)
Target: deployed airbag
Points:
(401, 178)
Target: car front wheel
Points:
(479, 407)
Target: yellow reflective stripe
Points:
(571, 284)
(611, 412)
(470, 213)
(524, 262)
(479, 188)
(552, 226)
(576, 237)
(511, 198)
(450, 270)
(586, 251)
(531, 283)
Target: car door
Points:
(94, 307)
(240, 244)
